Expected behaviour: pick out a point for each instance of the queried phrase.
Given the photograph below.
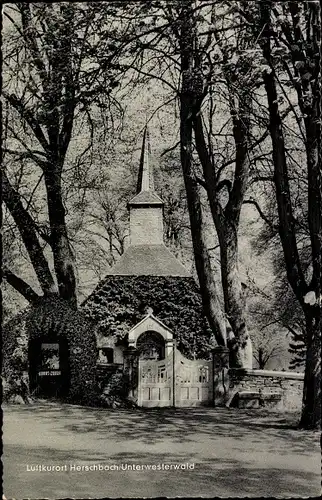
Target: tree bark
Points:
(207, 283)
(188, 103)
(27, 230)
(226, 222)
(311, 413)
(281, 177)
(313, 154)
(235, 299)
(64, 262)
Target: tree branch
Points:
(261, 213)
(166, 151)
(30, 37)
(27, 115)
(21, 286)
(31, 155)
(27, 230)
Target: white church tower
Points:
(147, 254)
(146, 208)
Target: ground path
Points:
(236, 453)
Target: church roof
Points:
(146, 198)
(148, 260)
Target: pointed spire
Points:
(145, 194)
(145, 178)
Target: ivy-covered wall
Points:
(120, 302)
(55, 316)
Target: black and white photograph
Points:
(161, 249)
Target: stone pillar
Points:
(248, 354)
(220, 359)
(169, 346)
(131, 371)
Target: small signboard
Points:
(51, 373)
(49, 359)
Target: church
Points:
(140, 338)
(147, 309)
(148, 287)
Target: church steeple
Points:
(145, 193)
(145, 177)
(146, 254)
(146, 208)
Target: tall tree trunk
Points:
(63, 257)
(234, 294)
(311, 413)
(281, 176)
(189, 97)
(313, 154)
(226, 222)
(207, 283)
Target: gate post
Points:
(220, 363)
(130, 370)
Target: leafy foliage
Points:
(116, 390)
(120, 302)
(54, 315)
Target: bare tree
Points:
(180, 49)
(267, 346)
(58, 64)
(300, 26)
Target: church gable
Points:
(151, 323)
(147, 254)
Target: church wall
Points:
(146, 226)
(117, 350)
(118, 354)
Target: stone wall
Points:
(289, 385)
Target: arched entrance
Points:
(49, 372)
(165, 376)
(151, 346)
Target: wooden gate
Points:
(156, 382)
(175, 381)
